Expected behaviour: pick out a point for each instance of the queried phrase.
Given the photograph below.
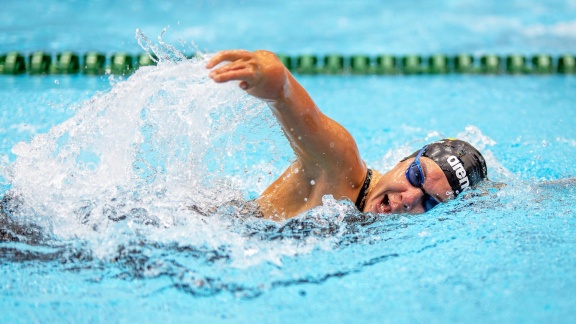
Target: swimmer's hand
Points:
(260, 73)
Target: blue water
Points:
(295, 27)
(81, 151)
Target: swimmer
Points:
(327, 159)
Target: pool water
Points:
(127, 193)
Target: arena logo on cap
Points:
(459, 171)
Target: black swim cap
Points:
(462, 164)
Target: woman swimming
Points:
(327, 159)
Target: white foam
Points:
(134, 160)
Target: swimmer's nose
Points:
(411, 199)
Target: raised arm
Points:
(321, 144)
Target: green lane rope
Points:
(92, 63)
(95, 63)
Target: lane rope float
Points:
(121, 63)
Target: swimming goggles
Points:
(415, 176)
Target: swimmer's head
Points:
(462, 164)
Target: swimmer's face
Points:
(393, 194)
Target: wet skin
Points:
(327, 158)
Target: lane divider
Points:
(91, 63)
(435, 64)
(95, 63)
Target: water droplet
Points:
(305, 199)
(312, 182)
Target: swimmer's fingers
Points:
(244, 74)
(233, 66)
(242, 67)
(231, 55)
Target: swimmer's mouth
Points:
(384, 206)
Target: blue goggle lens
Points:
(414, 175)
(429, 203)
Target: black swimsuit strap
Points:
(361, 200)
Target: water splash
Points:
(161, 52)
(163, 149)
(165, 160)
